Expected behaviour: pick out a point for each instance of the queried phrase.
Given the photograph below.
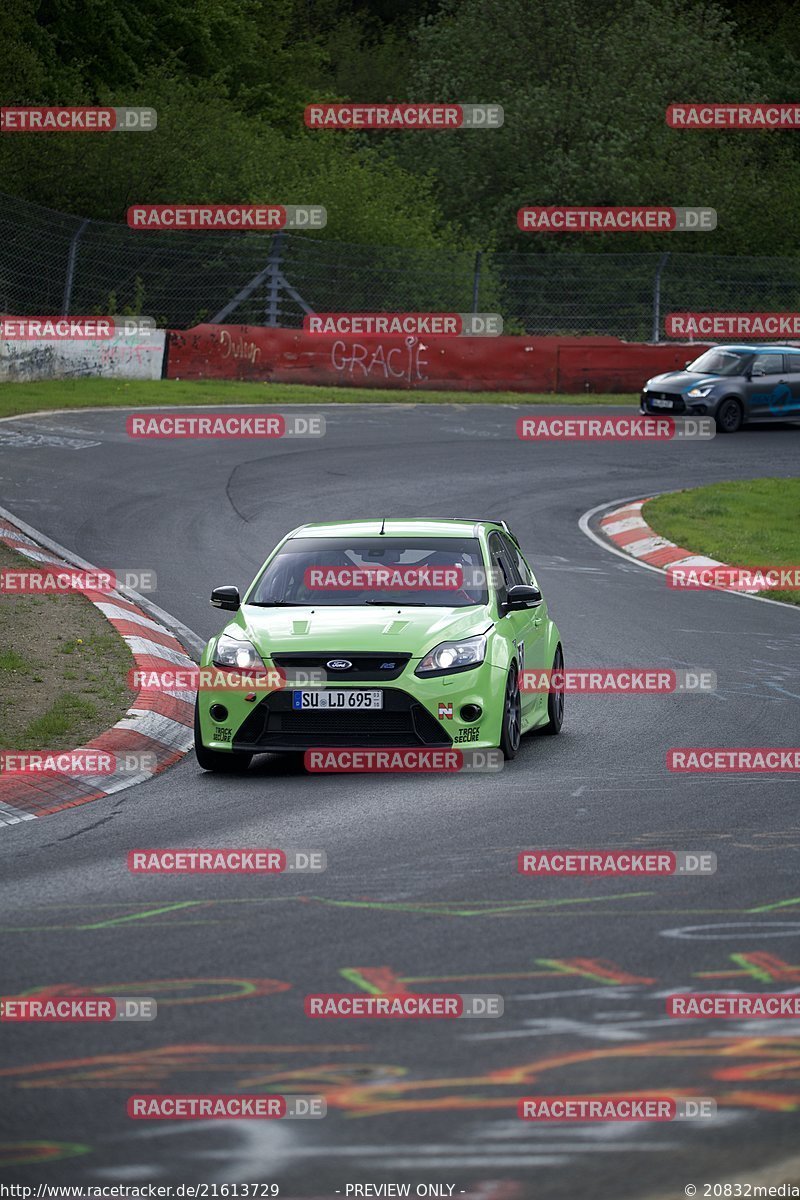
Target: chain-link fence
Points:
(52, 263)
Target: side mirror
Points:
(688, 363)
(523, 595)
(757, 373)
(226, 597)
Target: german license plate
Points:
(661, 403)
(337, 698)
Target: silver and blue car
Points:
(733, 384)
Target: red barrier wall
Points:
(520, 364)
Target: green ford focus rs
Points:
(381, 633)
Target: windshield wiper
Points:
(401, 603)
(276, 604)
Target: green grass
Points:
(19, 398)
(11, 661)
(63, 669)
(748, 523)
(57, 722)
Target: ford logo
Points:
(339, 664)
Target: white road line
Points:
(10, 437)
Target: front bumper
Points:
(680, 404)
(676, 402)
(415, 713)
(402, 722)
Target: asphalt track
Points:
(422, 870)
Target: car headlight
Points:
(449, 657)
(239, 653)
(703, 390)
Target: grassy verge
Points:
(19, 398)
(63, 669)
(746, 524)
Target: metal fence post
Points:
(71, 258)
(662, 262)
(476, 279)
(274, 268)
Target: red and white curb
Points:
(624, 531)
(159, 723)
(628, 530)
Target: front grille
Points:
(274, 724)
(366, 667)
(359, 724)
(678, 404)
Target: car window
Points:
(767, 364)
(719, 362)
(793, 364)
(518, 564)
(501, 567)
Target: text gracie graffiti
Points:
(396, 362)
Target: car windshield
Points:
(429, 572)
(720, 362)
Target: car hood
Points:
(341, 628)
(681, 381)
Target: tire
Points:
(555, 700)
(227, 762)
(511, 728)
(729, 416)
